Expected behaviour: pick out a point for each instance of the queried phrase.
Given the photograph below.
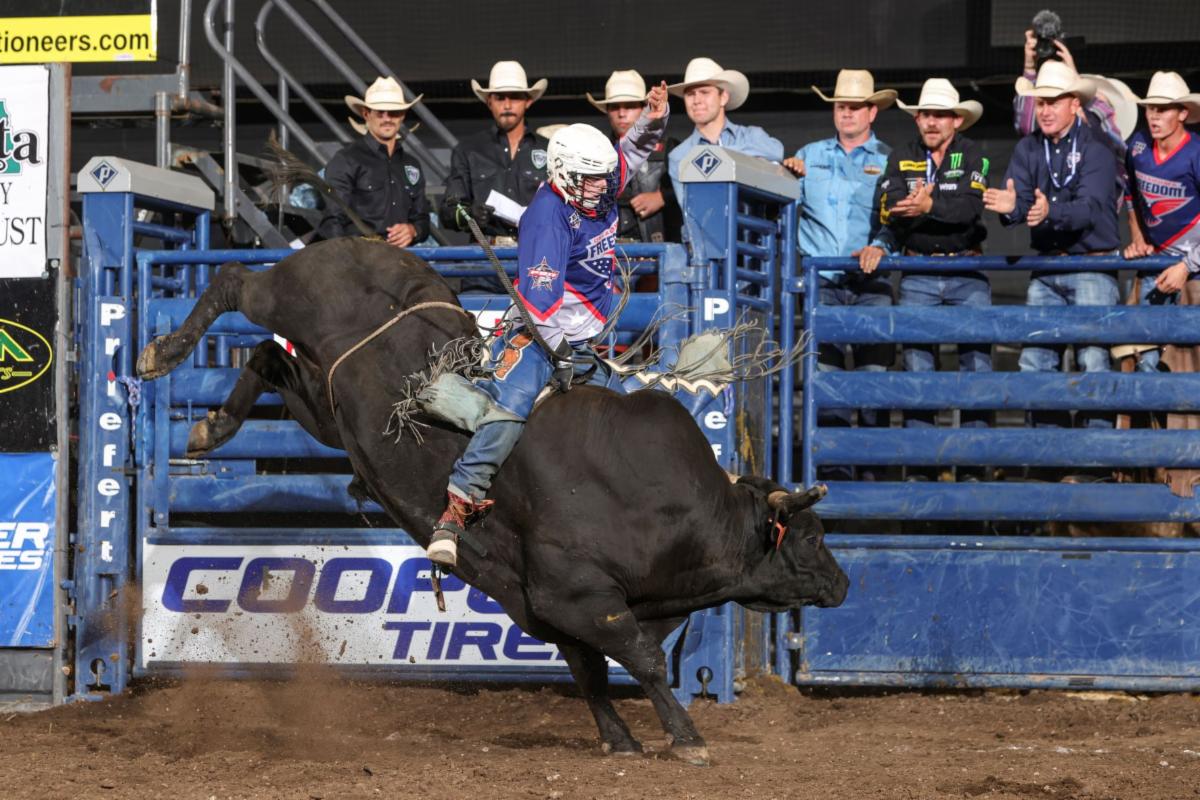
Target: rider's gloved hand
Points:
(564, 365)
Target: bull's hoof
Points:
(157, 359)
(208, 434)
(628, 749)
(694, 754)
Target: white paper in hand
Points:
(504, 207)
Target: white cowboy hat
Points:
(548, 131)
(858, 86)
(508, 77)
(938, 94)
(385, 94)
(358, 127)
(1055, 79)
(706, 71)
(623, 86)
(1168, 88)
(1122, 99)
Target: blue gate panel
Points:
(1008, 447)
(1032, 325)
(1013, 606)
(256, 437)
(27, 517)
(1091, 391)
(1090, 502)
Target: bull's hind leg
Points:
(604, 621)
(590, 670)
(269, 369)
(166, 352)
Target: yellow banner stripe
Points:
(40, 40)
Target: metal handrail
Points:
(286, 80)
(437, 168)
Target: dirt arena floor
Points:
(323, 738)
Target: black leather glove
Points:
(564, 365)
(481, 212)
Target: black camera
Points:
(1047, 26)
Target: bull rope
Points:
(379, 331)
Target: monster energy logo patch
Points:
(956, 161)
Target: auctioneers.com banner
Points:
(42, 32)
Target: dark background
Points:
(27, 422)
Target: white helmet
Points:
(579, 151)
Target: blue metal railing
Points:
(1044, 326)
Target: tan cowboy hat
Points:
(385, 94)
(938, 94)
(358, 127)
(1122, 99)
(1055, 79)
(706, 71)
(1167, 89)
(506, 77)
(858, 86)
(548, 131)
(623, 86)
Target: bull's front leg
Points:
(605, 622)
(590, 670)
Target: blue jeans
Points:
(521, 370)
(1148, 295)
(854, 289)
(1069, 289)
(946, 289)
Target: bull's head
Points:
(796, 568)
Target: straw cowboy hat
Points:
(623, 86)
(1167, 89)
(858, 86)
(1055, 79)
(1122, 99)
(939, 95)
(508, 77)
(384, 94)
(702, 71)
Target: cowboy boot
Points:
(443, 546)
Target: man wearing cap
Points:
(375, 176)
(647, 208)
(837, 186)
(1164, 167)
(709, 93)
(931, 204)
(507, 158)
(1062, 183)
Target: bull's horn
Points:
(777, 499)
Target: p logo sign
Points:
(707, 162)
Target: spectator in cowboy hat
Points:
(709, 93)
(376, 177)
(931, 204)
(836, 220)
(1061, 182)
(647, 211)
(508, 157)
(1164, 194)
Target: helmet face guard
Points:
(579, 152)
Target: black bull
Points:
(613, 520)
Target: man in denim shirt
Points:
(709, 92)
(837, 184)
(1062, 183)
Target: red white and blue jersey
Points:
(566, 259)
(1165, 192)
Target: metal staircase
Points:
(250, 209)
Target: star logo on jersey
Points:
(575, 220)
(542, 275)
(1139, 148)
(1161, 196)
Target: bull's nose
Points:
(837, 593)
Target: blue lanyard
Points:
(1072, 157)
(930, 168)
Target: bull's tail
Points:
(289, 168)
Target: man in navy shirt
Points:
(1062, 183)
(565, 267)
